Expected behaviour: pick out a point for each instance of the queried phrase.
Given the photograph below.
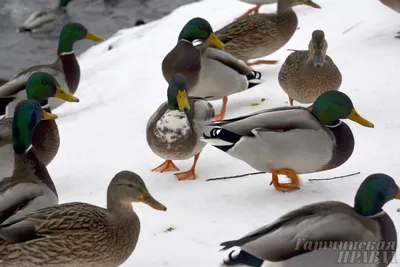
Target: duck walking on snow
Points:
(173, 131)
(366, 227)
(290, 140)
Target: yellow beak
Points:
(93, 37)
(61, 94)
(149, 200)
(49, 116)
(312, 4)
(357, 118)
(215, 41)
(398, 195)
(183, 102)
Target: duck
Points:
(173, 131)
(45, 139)
(45, 21)
(255, 9)
(30, 186)
(290, 140)
(306, 74)
(65, 69)
(259, 35)
(80, 234)
(211, 72)
(395, 6)
(312, 235)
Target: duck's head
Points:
(199, 29)
(64, 3)
(374, 192)
(128, 187)
(177, 93)
(27, 114)
(332, 106)
(41, 85)
(73, 32)
(284, 5)
(317, 48)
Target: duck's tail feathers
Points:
(242, 259)
(4, 101)
(254, 78)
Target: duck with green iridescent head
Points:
(329, 234)
(45, 20)
(65, 69)
(30, 187)
(40, 87)
(211, 72)
(290, 140)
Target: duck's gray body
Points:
(44, 21)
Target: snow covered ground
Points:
(122, 87)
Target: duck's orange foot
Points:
(221, 115)
(251, 10)
(167, 166)
(189, 175)
(285, 187)
(260, 62)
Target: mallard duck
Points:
(313, 235)
(46, 140)
(258, 4)
(260, 35)
(290, 140)
(211, 73)
(30, 187)
(65, 69)
(79, 234)
(44, 21)
(307, 74)
(173, 131)
(394, 5)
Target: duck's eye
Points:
(130, 185)
(44, 82)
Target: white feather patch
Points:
(172, 125)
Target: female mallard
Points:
(44, 21)
(46, 140)
(327, 234)
(258, 4)
(307, 74)
(79, 234)
(260, 35)
(30, 187)
(394, 5)
(211, 73)
(291, 140)
(173, 131)
(65, 69)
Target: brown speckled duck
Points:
(173, 131)
(260, 35)
(394, 5)
(307, 74)
(79, 234)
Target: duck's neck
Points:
(22, 137)
(71, 69)
(122, 210)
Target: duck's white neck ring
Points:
(335, 125)
(29, 148)
(184, 40)
(66, 53)
(377, 215)
(46, 106)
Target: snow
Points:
(120, 89)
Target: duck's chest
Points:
(71, 69)
(173, 126)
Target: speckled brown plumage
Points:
(392, 4)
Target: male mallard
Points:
(65, 69)
(307, 74)
(211, 73)
(394, 5)
(318, 234)
(79, 234)
(173, 131)
(291, 140)
(43, 21)
(258, 4)
(30, 187)
(46, 140)
(260, 35)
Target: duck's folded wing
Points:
(40, 18)
(228, 60)
(286, 237)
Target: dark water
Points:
(102, 17)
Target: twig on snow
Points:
(333, 178)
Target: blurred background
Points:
(102, 17)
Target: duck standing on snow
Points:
(211, 73)
(30, 187)
(44, 21)
(394, 5)
(173, 131)
(45, 139)
(322, 223)
(79, 234)
(65, 69)
(307, 74)
(260, 35)
(290, 140)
